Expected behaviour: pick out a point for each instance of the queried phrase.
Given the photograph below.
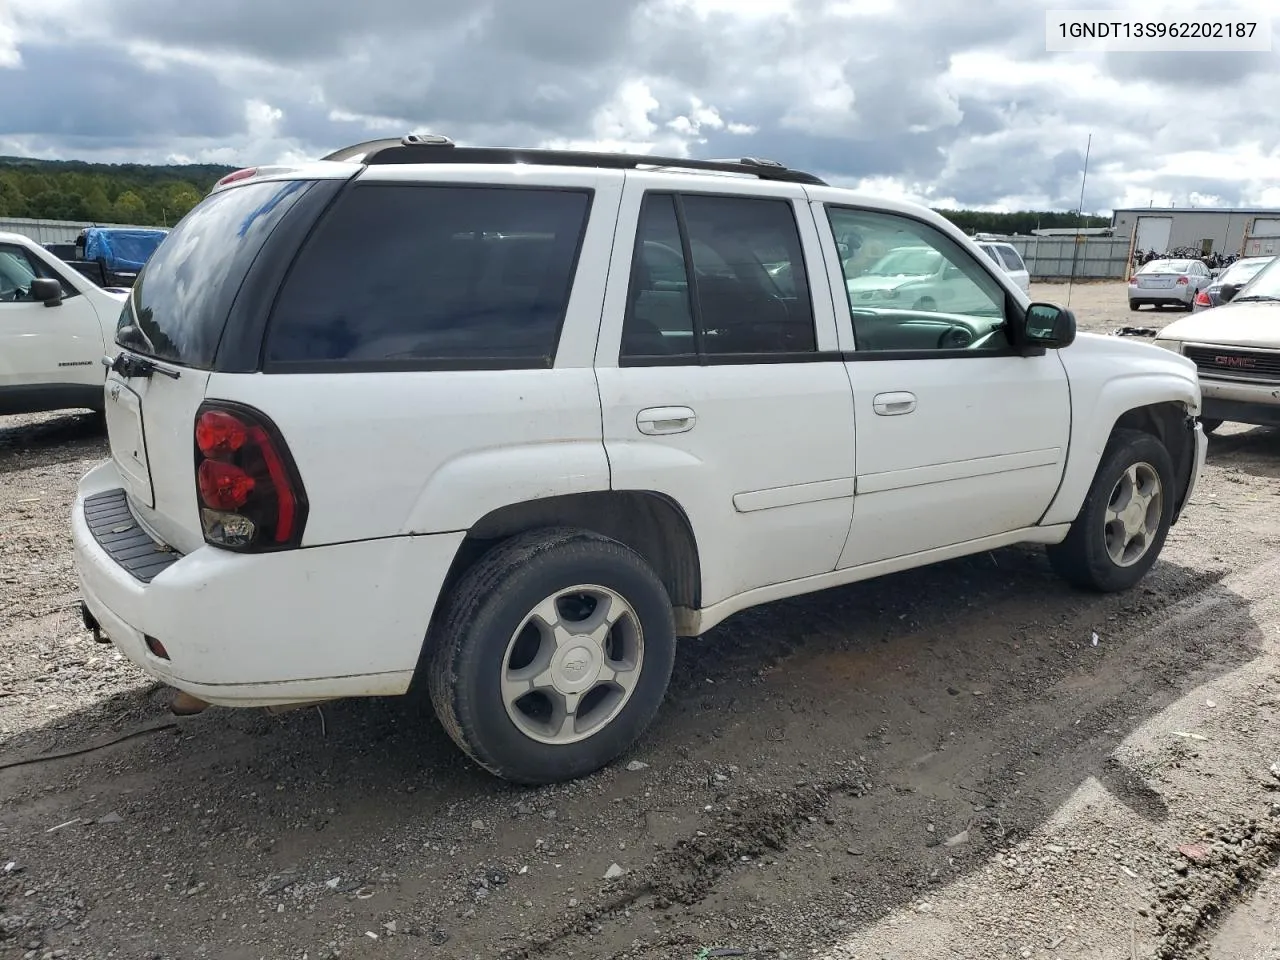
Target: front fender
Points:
(1096, 406)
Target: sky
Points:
(954, 103)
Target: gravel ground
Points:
(942, 763)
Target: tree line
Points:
(130, 193)
(159, 196)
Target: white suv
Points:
(1007, 258)
(509, 422)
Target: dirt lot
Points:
(966, 761)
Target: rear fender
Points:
(473, 485)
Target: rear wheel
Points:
(553, 655)
(1122, 526)
(1133, 305)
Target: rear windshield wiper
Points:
(130, 365)
(1256, 298)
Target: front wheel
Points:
(1126, 516)
(552, 655)
(1209, 425)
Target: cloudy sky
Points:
(953, 102)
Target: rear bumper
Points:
(1161, 295)
(259, 630)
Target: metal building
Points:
(52, 231)
(1226, 230)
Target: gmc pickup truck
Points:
(56, 326)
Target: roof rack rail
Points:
(429, 148)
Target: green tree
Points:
(130, 208)
(98, 205)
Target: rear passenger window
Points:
(419, 276)
(731, 283)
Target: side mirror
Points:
(47, 291)
(1227, 292)
(1050, 326)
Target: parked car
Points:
(920, 276)
(55, 327)
(1238, 274)
(1168, 283)
(507, 423)
(1236, 351)
(1007, 258)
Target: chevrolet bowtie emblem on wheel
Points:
(575, 665)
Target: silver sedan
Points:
(1168, 283)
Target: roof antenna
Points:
(1075, 254)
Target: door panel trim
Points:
(794, 494)
(958, 470)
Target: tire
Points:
(1209, 425)
(1083, 558)
(488, 631)
(1134, 305)
(925, 303)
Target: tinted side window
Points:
(741, 291)
(752, 292)
(1011, 258)
(423, 274)
(659, 320)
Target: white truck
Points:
(56, 326)
(508, 422)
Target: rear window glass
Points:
(420, 274)
(1166, 266)
(184, 294)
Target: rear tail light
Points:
(1202, 300)
(1182, 281)
(250, 493)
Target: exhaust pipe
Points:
(185, 705)
(91, 624)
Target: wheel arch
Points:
(650, 523)
(1162, 405)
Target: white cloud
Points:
(936, 100)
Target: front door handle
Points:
(656, 421)
(893, 404)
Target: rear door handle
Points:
(656, 421)
(893, 404)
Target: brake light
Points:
(1182, 281)
(1202, 300)
(251, 497)
(244, 174)
(224, 486)
(219, 434)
